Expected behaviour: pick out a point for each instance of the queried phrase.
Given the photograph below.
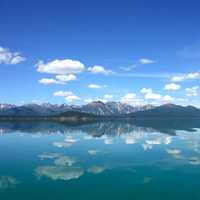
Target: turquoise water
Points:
(114, 160)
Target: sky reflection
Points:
(57, 153)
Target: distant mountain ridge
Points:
(97, 108)
(168, 111)
(45, 109)
(111, 108)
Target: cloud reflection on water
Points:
(8, 182)
(126, 145)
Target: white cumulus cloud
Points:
(150, 95)
(146, 90)
(49, 81)
(146, 61)
(10, 58)
(63, 67)
(66, 78)
(189, 76)
(195, 75)
(68, 95)
(193, 91)
(95, 86)
(97, 69)
(60, 79)
(172, 87)
(62, 93)
(72, 98)
(167, 98)
(131, 99)
(177, 78)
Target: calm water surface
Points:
(113, 160)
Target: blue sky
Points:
(74, 52)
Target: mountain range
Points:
(99, 109)
(168, 111)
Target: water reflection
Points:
(7, 182)
(144, 152)
(102, 128)
(59, 172)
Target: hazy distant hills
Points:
(99, 109)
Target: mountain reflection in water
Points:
(122, 160)
(102, 128)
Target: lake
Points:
(113, 160)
